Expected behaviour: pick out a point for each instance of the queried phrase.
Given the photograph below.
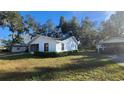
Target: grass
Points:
(83, 66)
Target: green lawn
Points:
(82, 66)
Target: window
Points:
(46, 47)
(18, 48)
(34, 47)
(62, 46)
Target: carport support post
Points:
(98, 48)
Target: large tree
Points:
(87, 33)
(13, 21)
(74, 26)
(114, 26)
(62, 20)
(63, 24)
(31, 24)
(70, 26)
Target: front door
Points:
(46, 47)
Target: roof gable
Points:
(74, 39)
(56, 39)
(38, 36)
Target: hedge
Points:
(54, 54)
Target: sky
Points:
(42, 16)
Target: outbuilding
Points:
(19, 48)
(112, 45)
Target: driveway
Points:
(117, 58)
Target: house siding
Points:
(58, 47)
(18, 49)
(69, 45)
(42, 40)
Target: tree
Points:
(50, 25)
(87, 33)
(74, 26)
(62, 20)
(64, 27)
(13, 20)
(31, 24)
(117, 22)
(114, 26)
(63, 24)
(69, 26)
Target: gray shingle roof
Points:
(57, 39)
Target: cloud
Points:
(99, 15)
(108, 14)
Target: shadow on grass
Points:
(90, 62)
(26, 56)
(16, 57)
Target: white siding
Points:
(58, 47)
(41, 40)
(18, 49)
(69, 45)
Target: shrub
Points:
(4, 50)
(72, 52)
(54, 54)
(46, 54)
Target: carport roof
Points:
(113, 40)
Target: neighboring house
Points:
(1, 45)
(111, 46)
(0, 42)
(48, 44)
(19, 48)
(22, 47)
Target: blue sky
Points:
(43, 16)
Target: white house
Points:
(48, 44)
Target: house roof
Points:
(56, 39)
(113, 40)
(78, 42)
(42, 36)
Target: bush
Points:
(54, 54)
(4, 50)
